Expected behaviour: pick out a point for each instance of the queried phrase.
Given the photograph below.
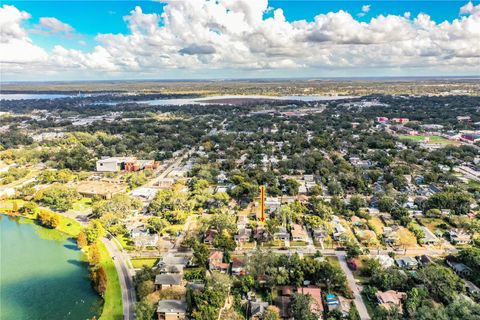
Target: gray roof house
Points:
(171, 309)
(167, 280)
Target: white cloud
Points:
(200, 36)
(469, 8)
(50, 25)
(15, 46)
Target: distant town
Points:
(364, 205)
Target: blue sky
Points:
(91, 18)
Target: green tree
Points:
(301, 307)
(144, 310)
(441, 282)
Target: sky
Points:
(203, 39)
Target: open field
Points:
(432, 139)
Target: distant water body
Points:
(43, 275)
(223, 99)
(25, 96)
(182, 101)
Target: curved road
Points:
(124, 277)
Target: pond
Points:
(43, 274)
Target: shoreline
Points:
(71, 228)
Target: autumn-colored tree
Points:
(94, 255)
(101, 285)
(15, 206)
(99, 279)
(82, 240)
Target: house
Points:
(381, 119)
(385, 261)
(407, 263)
(332, 302)
(459, 236)
(299, 233)
(430, 238)
(168, 280)
(319, 233)
(210, 236)
(142, 238)
(366, 236)
(400, 120)
(390, 235)
(257, 308)
(173, 263)
(390, 298)
(102, 189)
(459, 268)
(215, 262)
(283, 301)
(243, 235)
(357, 221)
(238, 266)
(144, 194)
(471, 288)
(171, 310)
(281, 234)
(316, 306)
(424, 259)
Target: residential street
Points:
(125, 279)
(359, 304)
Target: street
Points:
(125, 279)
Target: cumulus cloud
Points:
(15, 46)
(200, 35)
(50, 25)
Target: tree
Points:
(82, 240)
(144, 310)
(99, 279)
(271, 313)
(386, 204)
(156, 224)
(94, 231)
(224, 241)
(353, 250)
(94, 255)
(58, 196)
(48, 219)
(441, 282)
(301, 307)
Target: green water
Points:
(43, 275)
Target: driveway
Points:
(359, 304)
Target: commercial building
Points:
(129, 164)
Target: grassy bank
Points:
(112, 308)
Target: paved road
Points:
(125, 279)
(359, 304)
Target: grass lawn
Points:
(298, 243)
(432, 223)
(139, 263)
(432, 139)
(173, 229)
(82, 204)
(333, 260)
(377, 225)
(125, 241)
(112, 308)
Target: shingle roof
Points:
(168, 278)
(174, 306)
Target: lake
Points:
(43, 274)
(25, 96)
(222, 98)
